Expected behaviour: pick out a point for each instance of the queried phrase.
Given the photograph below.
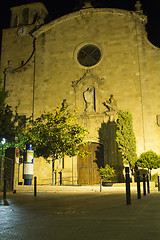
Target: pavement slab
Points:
(80, 216)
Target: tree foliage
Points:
(54, 134)
(148, 160)
(8, 118)
(125, 138)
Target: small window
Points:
(25, 16)
(15, 22)
(89, 55)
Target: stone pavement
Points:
(117, 187)
(80, 215)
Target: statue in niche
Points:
(110, 104)
(88, 96)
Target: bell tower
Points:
(28, 14)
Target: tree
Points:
(148, 160)
(8, 119)
(54, 134)
(125, 138)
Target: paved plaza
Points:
(81, 215)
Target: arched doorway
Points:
(88, 166)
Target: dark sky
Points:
(57, 8)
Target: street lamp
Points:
(3, 141)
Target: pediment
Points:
(88, 79)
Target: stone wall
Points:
(41, 69)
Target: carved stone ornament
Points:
(87, 4)
(138, 7)
(111, 108)
(88, 77)
(110, 104)
(87, 93)
(89, 98)
(86, 14)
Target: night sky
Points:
(58, 8)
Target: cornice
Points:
(90, 11)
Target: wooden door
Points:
(88, 166)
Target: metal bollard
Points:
(138, 186)
(148, 188)
(158, 185)
(55, 178)
(144, 185)
(35, 186)
(5, 190)
(101, 185)
(60, 178)
(128, 191)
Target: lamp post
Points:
(3, 141)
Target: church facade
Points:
(89, 57)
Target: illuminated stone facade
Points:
(84, 57)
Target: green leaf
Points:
(125, 138)
(54, 134)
